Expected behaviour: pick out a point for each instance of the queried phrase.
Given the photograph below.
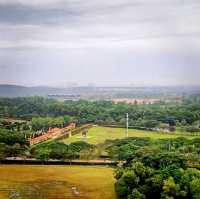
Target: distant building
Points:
(52, 133)
(65, 96)
(135, 101)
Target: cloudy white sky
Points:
(120, 42)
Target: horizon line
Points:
(100, 86)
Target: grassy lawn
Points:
(98, 135)
(56, 182)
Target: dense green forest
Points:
(185, 115)
(162, 169)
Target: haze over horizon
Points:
(96, 42)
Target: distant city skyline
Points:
(98, 42)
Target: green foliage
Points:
(156, 153)
(2, 151)
(12, 143)
(131, 181)
(140, 181)
(57, 150)
(11, 150)
(195, 188)
(136, 195)
(124, 149)
(171, 189)
(155, 171)
(104, 112)
(79, 146)
(45, 123)
(43, 154)
(12, 137)
(164, 159)
(191, 129)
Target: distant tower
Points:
(127, 125)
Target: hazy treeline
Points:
(186, 114)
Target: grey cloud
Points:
(121, 40)
(99, 11)
(20, 14)
(73, 23)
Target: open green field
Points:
(99, 134)
(56, 182)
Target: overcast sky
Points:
(101, 42)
